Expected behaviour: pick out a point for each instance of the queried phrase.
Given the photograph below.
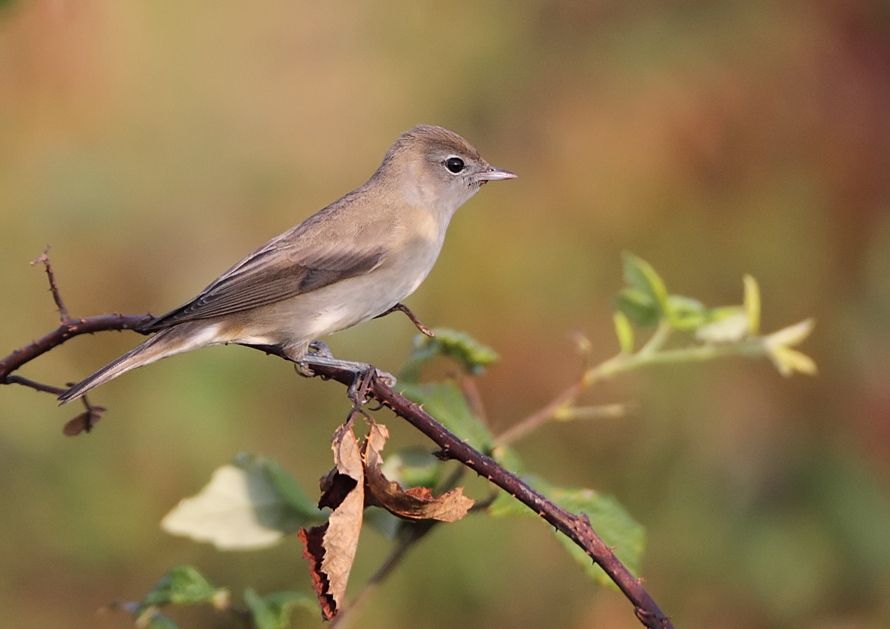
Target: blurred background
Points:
(154, 144)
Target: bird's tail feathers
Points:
(160, 345)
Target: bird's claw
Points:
(321, 349)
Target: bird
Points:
(351, 261)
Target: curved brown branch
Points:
(66, 330)
(575, 526)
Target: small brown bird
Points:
(355, 259)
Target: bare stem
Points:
(651, 353)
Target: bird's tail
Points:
(160, 345)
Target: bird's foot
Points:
(320, 348)
(309, 365)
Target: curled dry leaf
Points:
(83, 422)
(415, 503)
(330, 548)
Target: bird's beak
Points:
(494, 174)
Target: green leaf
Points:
(182, 585)
(472, 355)
(609, 519)
(752, 304)
(445, 402)
(638, 307)
(154, 619)
(640, 275)
(611, 522)
(250, 504)
(285, 484)
(273, 611)
(624, 331)
(686, 314)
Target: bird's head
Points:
(437, 167)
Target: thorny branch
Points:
(575, 526)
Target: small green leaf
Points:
(182, 585)
(245, 506)
(286, 486)
(153, 618)
(607, 517)
(752, 304)
(445, 402)
(273, 611)
(624, 331)
(638, 307)
(686, 314)
(472, 355)
(640, 275)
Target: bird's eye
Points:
(454, 164)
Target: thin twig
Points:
(33, 384)
(43, 259)
(65, 331)
(474, 398)
(530, 423)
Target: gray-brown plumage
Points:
(348, 263)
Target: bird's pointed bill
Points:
(495, 174)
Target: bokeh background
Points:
(154, 143)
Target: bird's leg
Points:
(417, 323)
(358, 390)
(362, 376)
(320, 348)
(305, 364)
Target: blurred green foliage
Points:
(154, 143)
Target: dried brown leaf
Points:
(330, 548)
(415, 503)
(83, 422)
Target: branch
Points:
(576, 527)
(68, 328)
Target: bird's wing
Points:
(281, 269)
